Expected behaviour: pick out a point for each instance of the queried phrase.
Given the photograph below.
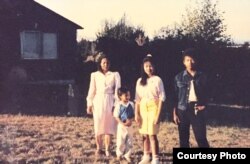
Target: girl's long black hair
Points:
(144, 76)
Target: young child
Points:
(124, 114)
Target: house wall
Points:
(40, 85)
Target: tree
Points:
(83, 47)
(245, 45)
(120, 31)
(122, 42)
(205, 24)
(125, 45)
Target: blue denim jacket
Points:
(182, 87)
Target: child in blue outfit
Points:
(124, 114)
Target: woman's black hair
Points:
(102, 56)
(144, 76)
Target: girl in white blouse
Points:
(149, 97)
(102, 95)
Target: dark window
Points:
(38, 45)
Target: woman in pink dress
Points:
(101, 98)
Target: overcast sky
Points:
(150, 14)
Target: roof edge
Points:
(77, 26)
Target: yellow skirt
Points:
(148, 111)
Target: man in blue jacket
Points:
(190, 101)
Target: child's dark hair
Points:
(144, 76)
(122, 90)
(191, 52)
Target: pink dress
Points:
(102, 95)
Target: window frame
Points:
(41, 54)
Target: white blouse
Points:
(192, 95)
(153, 90)
(100, 83)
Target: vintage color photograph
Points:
(122, 81)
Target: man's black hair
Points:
(191, 52)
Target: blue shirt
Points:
(124, 112)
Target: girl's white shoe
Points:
(155, 161)
(145, 159)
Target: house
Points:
(37, 56)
